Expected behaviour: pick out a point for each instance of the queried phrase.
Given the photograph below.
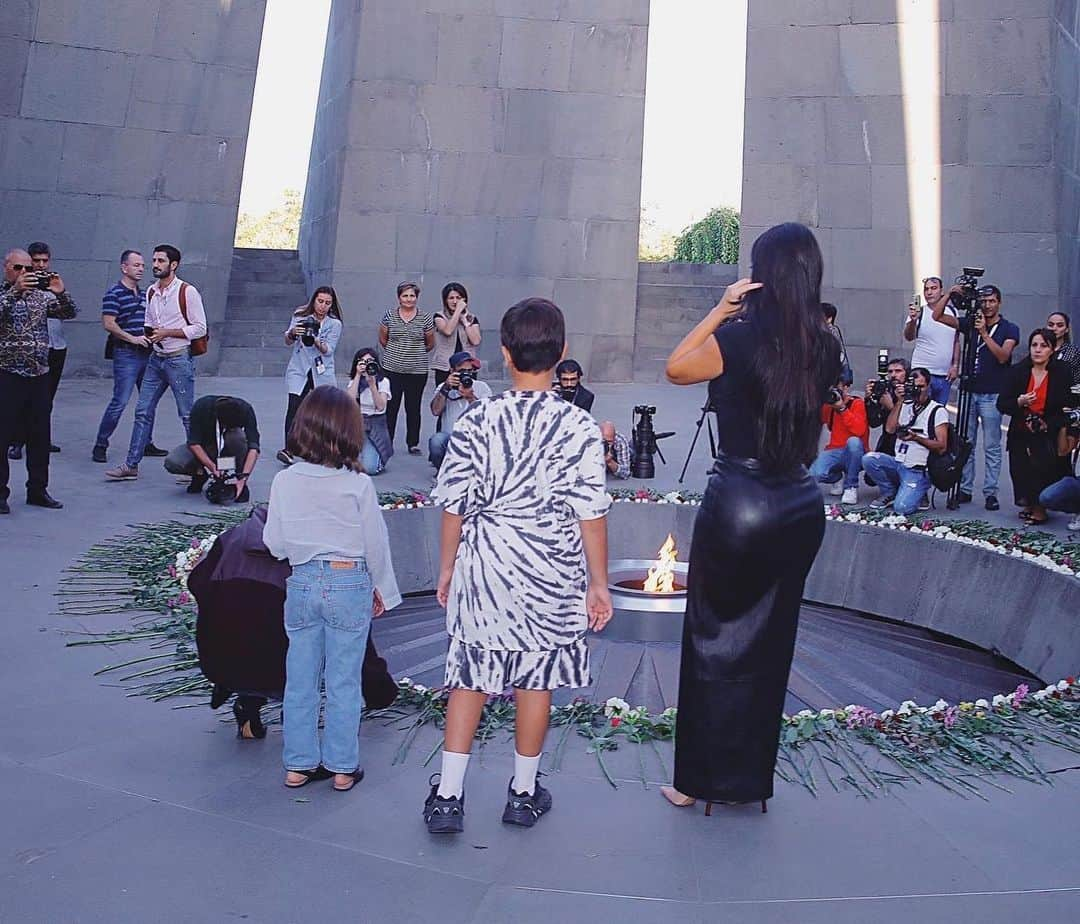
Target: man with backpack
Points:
(921, 426)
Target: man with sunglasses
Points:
(25, 400)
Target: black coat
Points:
(1058, 397)
(240, 630)
(583, 398)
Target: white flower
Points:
(982, 704)
(419, 688)
(999, 700)
(1063, 685)
(887, 714)
(1039, 695)
(939, 706)
(826, 714)
(616, 706)
(804, 714)
(904, 709)
(405, 681)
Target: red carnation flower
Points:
(615, 721)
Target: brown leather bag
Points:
(200, 344)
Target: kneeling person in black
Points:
(221, 428)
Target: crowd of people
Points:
(909, 402)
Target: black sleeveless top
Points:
(735, 397)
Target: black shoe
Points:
(249, 723)
(14, 452)
(198, 482)
(992, 503)
(523, 809)
(284, 457)
(443, 816)
(244, 497)
(43, 499)
(155, 452)
(98, 455)
(4, 508)
(53, 447)
(963, 498)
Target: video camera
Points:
(644, 443)
(967, 300)
(222, 489)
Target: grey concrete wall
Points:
(825, 144)
(496, 142)
(123, 123)
(959, 591)
(1065, 90)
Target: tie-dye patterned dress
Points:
(522, 468)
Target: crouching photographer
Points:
(454, 397)
(223, 445)
(921, 426)
(1064, 494)
(882, 394)
(616, 451)
(840, 462)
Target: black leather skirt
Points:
(755, 538)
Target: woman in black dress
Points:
(761, 521)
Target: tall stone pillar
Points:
(123, 124)
(831, 142)
(493, 142)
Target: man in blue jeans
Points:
(1064, 495)
(995, 340)
(123, 313)
(454, 397)
(840, 462)
(921, 428)
(175, 315)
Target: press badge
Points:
(320, 366)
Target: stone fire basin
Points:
(641, 616)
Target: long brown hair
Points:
(328, 429)
(307, 310)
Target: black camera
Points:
(967, 300)
(880, 385)
(466, 379)
(309, 328)
(44, 279)
(608, 448)
(222, 490)
(1072, 418)
(371, 368)
(835, 395)
(644, 443)
(911, 392)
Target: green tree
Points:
(278, 229)
(654, 244)
(713, 239)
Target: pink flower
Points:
(184, 598)
(950, 716)
(171, 602)
(1021, 692)
(926, 525)
(195, 543)
(172, 571)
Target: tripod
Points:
(963, 400)
(705, 409)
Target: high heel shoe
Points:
(681, 800)
(249, 724)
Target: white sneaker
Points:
(880, 503)
(851, 496)
(1074, 524)
(836, 488)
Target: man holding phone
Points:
(27, 301)
(921, 426)
(937, 343)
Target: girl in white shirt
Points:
(372, 391)
(324, 518)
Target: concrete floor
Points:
(117, 809)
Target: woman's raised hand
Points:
(732, 302)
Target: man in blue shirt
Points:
(995, 340)
(123, 311)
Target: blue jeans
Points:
(905, 486)
(437, 448)
(176, 373)
(1062, 495)
(129, 365)
(327, 618)
(370, 459)
(833, 464)
(984, 409)
(940, 386)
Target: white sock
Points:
(452, 775)
(525, 773)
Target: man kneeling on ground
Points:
(222, 430)
(840, 462)
(455, 396)
(921, 426)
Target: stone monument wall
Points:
(123, 123)
(826, 143)
(495, 142)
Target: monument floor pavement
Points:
(118, 809)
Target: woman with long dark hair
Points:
(313, 334)
(1034, 397)
(372, 392)
(761, 521)
(456, 329)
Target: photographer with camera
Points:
(840, 462)
(223, 444)
(313, 334)
(616, 451)
(27, 301)
(456, 329)
(371, 389)
(1064, 494)
(1035, 396)
(882, 394)
(937, 344)
(995, 340)
(921, 426)
(568, 385)
(454, 397)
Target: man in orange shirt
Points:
(840, 461)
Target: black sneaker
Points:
(963, 498)
(198, 482)
(98, 454)
(443, 815)
(155, 452)
(992, 503)
(525, 810)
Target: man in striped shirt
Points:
(123, 313)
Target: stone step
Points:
(710, 273)
(265, 253)
(240, 287)
(681, 290)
